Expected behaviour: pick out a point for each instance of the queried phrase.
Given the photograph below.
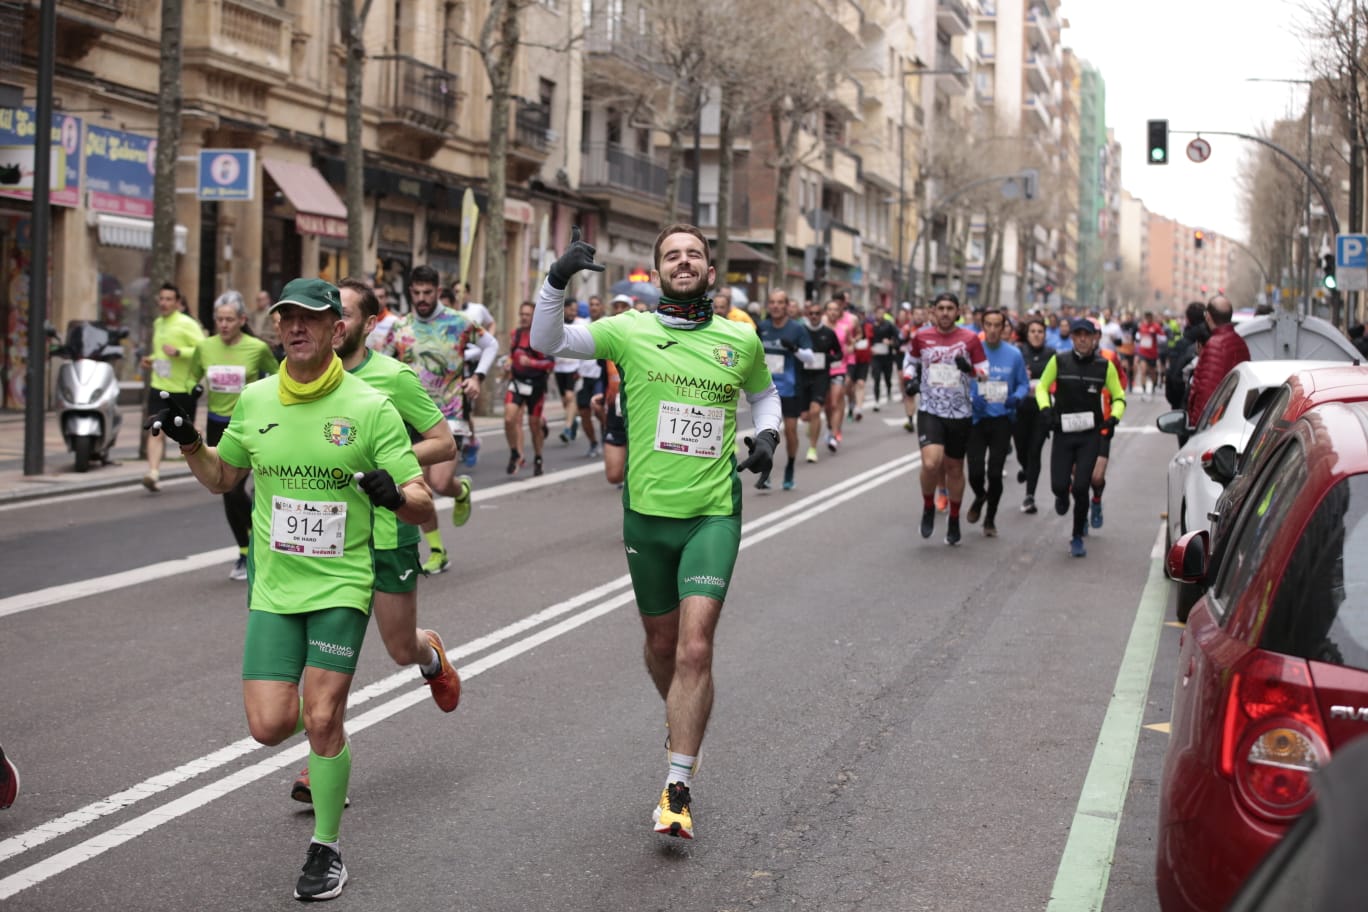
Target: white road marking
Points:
(132, 488)
(1137, 429)
(752, 533)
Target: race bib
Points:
(161, 367)
(1071, 422)
(308, 528)
(1034, 383)
(226, 378)
(818, 361)
(994, 390)
(1146, 341)
(880, 348)
(690, 430)
(862, 345)
(774, 362)
(522, 387)
(943, 375)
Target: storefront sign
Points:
(395, 231)
(119, 171)
(321, 225)
(443, 239)
(17, 129)
(226, 175)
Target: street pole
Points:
(902, 183)
(35, 393)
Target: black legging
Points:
(991, 437)
(1071, 466)
(881, 366)
(1028, 433)
(237, 503)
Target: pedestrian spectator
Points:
(1225, 349)
(1194, 334)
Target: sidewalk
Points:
(60, 475)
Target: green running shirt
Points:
(400, 383)
(683, 386)
(227, 369)
(303, 458)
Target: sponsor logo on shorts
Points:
(339, 431)
(406, 574)
(345, 652)
(631, 550)
(707, 580)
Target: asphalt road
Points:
(899, 725)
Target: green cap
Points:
(311, 294)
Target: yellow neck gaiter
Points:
(292, 392)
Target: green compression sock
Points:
(328, 778)
(434, 540)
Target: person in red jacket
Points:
(529, 370)
(1225, 349)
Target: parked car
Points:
(1227, 421)
(1273, 663)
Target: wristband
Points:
(193, 447)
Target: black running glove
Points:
(761, 449)
(578, 257)
(789, 345)
(963, 364)
(1049, 419)
(173, 422)
(380, 488)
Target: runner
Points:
(815, 378)
(787, 344)
(526, 392)
(884, 348)
(567, 378)
(306, 433)
(862, 332)
(590, 384)
(949, 357)
(995, 400)
(1150, 340)
(478, 314)
(614, 426)
(225, 364)
(433, 340)
(1029, 432)
(1077, 417)
(174, 338)
(840, 323)
(384, 324)
(1099, 473)
(684, 371)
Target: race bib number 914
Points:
(308, 528)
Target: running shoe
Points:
(812, 454)
(301, 792)
(909, 426)
(515, 462)
(876, 406)
(592, 452)
(1062, 504)
(942, 500)
(850, 411)
(1028, 505)
(151, 481)
(832, 442)
(859, 414)
(928, 523)
(788, 477)
(952, 531)
(975, 510)
(470, 454)
(436, 563)
(446, 683)
(239, 571)
(537, 465)
(1096, 514)
(9, 780)
(460, 510)
(1076, 547)
(763, 482)
(324, 874)
(671, 816)
(565, 435)
(1021, 476)
(989, 529)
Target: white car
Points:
(1229, 417)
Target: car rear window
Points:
(1320, 610)
(1270, 425)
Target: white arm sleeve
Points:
(550, 334)
(804, 355)
(766, 410)
(489, 350)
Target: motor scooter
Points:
(88, 389)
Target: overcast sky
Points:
(1189, 61)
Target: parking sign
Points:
(1351, 261)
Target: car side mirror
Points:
(1174, 422)
(1190, 557)
(1220, 464)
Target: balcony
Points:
(235, 52)
(842, 168)
(1039, 27)
(1037, 104)
(612, 167)
(533, 139)
(80, 23)
(617, 53)
(952, 17)
(1037, 70)
(953, 75)
(418, 106)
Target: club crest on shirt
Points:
(339, 431)
(725, 355)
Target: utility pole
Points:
(35, 393)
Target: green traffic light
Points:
(1330, 282)
(1156, 155)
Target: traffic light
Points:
(1158, 142)
(1328, 267)
(1197, 237)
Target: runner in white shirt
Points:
(375, 339)
(567, 377)
(478, 314)
(592, 374)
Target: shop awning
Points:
(318, 207)
(123, 231)
(745, 253)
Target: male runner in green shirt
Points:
(683, 372)
(225, 364)
(174, 337)
(308, 433)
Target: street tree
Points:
(352, 24)
(169, 103)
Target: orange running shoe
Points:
(445, 684)
(942, 499)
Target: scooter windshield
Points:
(85, 339)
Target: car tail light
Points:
(1206, 458)
(1272, 737)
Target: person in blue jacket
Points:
(994, 401)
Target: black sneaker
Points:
(928, 523)
(1062, 504)
(989, 528)
(1021, 476)
(952, 532)
(537, 465)
(514, 461)
(1028, 505)
(324, 874)
(975, 510)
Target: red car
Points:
(1273, 667)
